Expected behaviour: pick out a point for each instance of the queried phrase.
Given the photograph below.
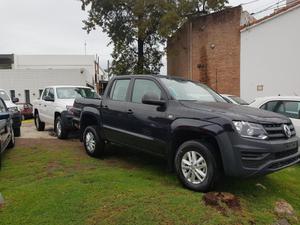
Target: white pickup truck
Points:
(53, 107)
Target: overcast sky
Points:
(55, 27)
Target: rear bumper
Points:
(253, 157)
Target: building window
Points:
(12, 94)
(27, 96)
(40, 92)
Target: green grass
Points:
(54, 182)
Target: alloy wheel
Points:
(90, 142)
(194, 167)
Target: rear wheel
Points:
(61, 132)
(196, 166)
(40, 126)
(94, 145)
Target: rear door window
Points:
(119, 90)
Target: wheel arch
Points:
(187, 130)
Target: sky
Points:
(55, 27)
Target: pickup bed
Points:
(191, 126)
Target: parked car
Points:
(13, 109)
(191, 126)
(54, 106)
(7, 138)
(234, 99)
(285, 105)
(26, 110)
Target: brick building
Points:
(207, 49)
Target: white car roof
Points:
(293, 98)
(66, 86)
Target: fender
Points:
(205, 129)
(94, 113)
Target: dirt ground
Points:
(28, 131)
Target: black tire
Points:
(40, 126)
(99, 145)
(208, 167)
(61, 132)
(17, 131)
(12, 141)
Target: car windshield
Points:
(190, 91)
(4, 96)
(74, 92)
(239, 100)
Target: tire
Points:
(12, 141)
(40, 126)
(60, 131)
(195, 176)
(17, 131)
(93, 144)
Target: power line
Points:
(275, 6)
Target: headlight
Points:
(250, 130)
(13, 109)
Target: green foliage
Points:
(139, 28)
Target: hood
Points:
(237, 112)
(9, 104)
(65, 102)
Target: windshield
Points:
(239, 100)
(190, 91)
(74, 92)
(4, 96)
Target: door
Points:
(27, 96)
(49, 107)
(41, 105)
(114, 112)
(149, 125)
(5, 127)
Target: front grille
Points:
(275, 131)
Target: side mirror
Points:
(4, 116)
(15, 100)
(48, 99)
(152, 98)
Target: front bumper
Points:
(67, 121)
(248, 157)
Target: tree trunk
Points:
(140, 63)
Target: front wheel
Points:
(94, 145)
(12, 140)
(196, 166)
(17, 132)
(61, 132)
(40, 126)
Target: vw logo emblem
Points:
(287, 131)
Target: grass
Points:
(55, 182)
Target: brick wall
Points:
(207, 49)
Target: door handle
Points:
(45, 105)
(105, 107)
(130, 111)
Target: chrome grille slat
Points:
(275, 131)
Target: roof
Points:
(277, 13)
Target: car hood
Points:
(65, 102)
(237, 112)
(9, 104)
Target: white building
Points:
(24, 76)
(270, 55)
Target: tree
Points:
(139, 28)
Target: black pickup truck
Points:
(191, 126)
